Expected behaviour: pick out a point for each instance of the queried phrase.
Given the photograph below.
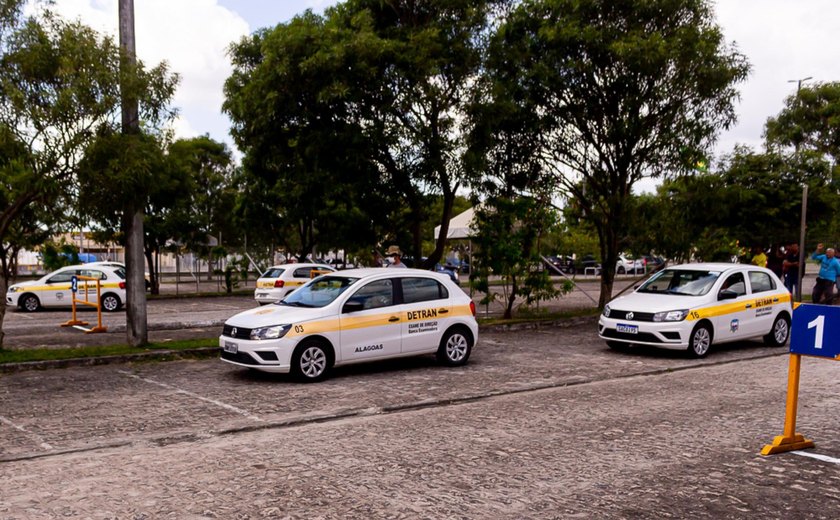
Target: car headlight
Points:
(671, 315)
(273, 332)
(14, 289)
(606, 311)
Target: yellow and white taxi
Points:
(693, 306)
(354, 316)
(54, 289)
(280, 280)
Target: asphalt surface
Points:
(540, 424)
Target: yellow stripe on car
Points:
(729, 308)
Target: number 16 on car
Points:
(815, 331)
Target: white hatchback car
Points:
(280, 280)
(354, 316)
(54, 289)
(692, 306)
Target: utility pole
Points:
(135, 310)
(802, 222)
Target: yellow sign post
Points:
(74, 322)
(790, 440)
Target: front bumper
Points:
(672, 335)
(268, 295)
(268, 356)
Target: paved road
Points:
(540, 424)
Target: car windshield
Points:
(274, 272)
(319, 292)
(680, 281)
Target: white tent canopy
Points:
(460, 226)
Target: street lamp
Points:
(799, 82)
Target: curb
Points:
(166, 355)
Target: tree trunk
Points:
(153, 275)
(137, 333)
(448, 203)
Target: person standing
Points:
(790, 267)
(775, 260)
(395, 255)
(759, 258)
(829, 271)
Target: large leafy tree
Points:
(614, 92)
(58, 87)
(286, 98)
(809, 121)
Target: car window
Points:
(274, 272)
(93, 274)
(302, 272)
(319, 292)
(375, 295)
(761, 282)
(422, 290)
(681, 282)
(120, 272)
(735, 282)
(62, 277)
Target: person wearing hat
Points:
(395, 254)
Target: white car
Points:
(628, 264)
(280, 280)
(693, 306)
(354, 316)
(54, 289)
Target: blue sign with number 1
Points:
(815, 331)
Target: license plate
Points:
(233, 348)
(629, 329)
(261, 295)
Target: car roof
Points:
(715, 266)
(299, 264)
(370, 272)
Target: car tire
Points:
(619, 346)
(780, 332)
(620, 270)
(700, 340)
(311, 361)
(455, 347)
(111, 303)
(29, 303)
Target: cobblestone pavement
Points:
(540, 424)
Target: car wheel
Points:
(620, 270)
(700, 341)
(455, 347)
(111, 303)
(619, 346)
(29, 303)
(311, 361)
(778, 335)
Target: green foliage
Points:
(810, 121)
(506, 246)
(607, 93)
(57, 255)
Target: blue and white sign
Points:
(815, 331)
(74, 284)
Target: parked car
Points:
(565, 264)
(55, 289)
(279, 281)
(588, 264)
(628, 264)
(652, 263)
(694, 306)
(354, 316)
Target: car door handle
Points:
(443, 311)
(749, 306)
(394, 318)
(775, 300)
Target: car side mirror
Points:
(353, 306)
(727, 294)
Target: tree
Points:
(506, 245)
(810, 121)
(58, 85)
(618, 91)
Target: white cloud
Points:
(192, 36)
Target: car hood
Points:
(646, 302)
(28, 283)
(274, 315)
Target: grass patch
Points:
(541, 316)
(45, 354)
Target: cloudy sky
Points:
(783, 40)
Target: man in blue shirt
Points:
(829, 272)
